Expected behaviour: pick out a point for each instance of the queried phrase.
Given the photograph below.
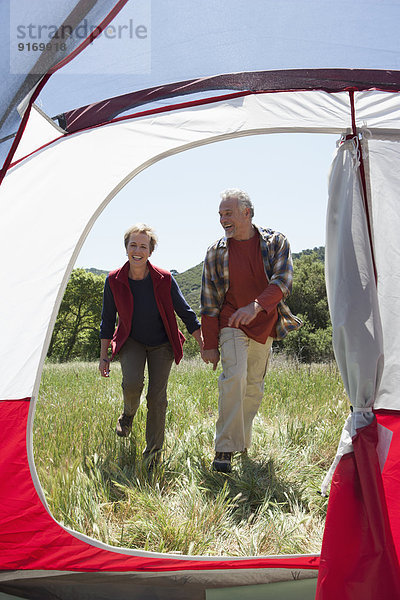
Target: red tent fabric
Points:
(358, 557)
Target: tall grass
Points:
(96, 483)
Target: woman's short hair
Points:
(142, 228)
(242, 198)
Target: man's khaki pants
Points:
(241, 386)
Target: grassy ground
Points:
(96, 482)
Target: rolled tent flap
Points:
(351, 286)
(358, 557)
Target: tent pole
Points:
(363, 180)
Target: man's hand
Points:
(245, 315)
(211, 356)
(104, 367)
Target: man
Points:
(246, 276)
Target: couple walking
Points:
(247, 275)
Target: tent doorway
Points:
(186, 212)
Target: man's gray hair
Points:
(242, 198)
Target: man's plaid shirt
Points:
(275, 251)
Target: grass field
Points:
(96, 483)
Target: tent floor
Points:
(252, 584)
(285, 590)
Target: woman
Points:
(146, 299)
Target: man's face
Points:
(235, 222)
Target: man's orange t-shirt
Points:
(247, 282)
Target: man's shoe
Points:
(222, 462)
(124, 425)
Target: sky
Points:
(285, 175)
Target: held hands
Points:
(208, 356)
(245, 315)
(104, 367)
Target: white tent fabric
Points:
(363, 312)
(40, 130)
(351, 284)
(352, 296)
(361, 535)
(366, 338)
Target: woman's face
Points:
(138, 249)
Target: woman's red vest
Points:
(123, 298)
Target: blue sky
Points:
(286, 176)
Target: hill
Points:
(96, 271)
(318, 252)
(190, 281)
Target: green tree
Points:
(190, 347)
(313, 341)
(76, 331)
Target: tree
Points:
(313, 341)
(76, 332)
(190, 347)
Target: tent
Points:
(211, 71)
